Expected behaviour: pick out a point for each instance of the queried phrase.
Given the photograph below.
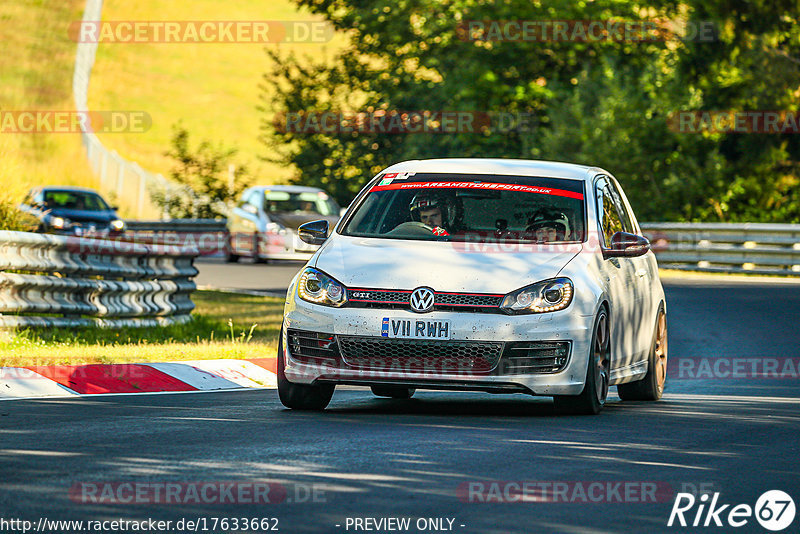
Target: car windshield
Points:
(313, 202)
(74, 200)
(464, 207)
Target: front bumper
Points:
(474, 329)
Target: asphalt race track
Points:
(272, 278)
(373, 458)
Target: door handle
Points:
(641, 272)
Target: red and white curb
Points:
(196, 375)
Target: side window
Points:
(250, 198)
(243, 200)
(609, 217)
(256, 199)
(627, 221)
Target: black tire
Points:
(256, 257)
(595, 390)
(230, 257)
(651, 387)
(393, 392)
(301, 396)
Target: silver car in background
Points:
(264, 224)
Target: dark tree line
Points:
(606, 102)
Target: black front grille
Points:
(313, 347)
(534, 357)
(467, 299)
(394, 299)
(420, 356)
(428, 356)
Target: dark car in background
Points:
(264, 224)
(73, 211)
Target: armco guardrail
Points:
(48, 280)
(720, 247)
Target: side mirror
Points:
(314, 232)
(249, 208)
(625, 245)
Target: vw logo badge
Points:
(421, 300)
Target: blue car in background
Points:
(73, 211)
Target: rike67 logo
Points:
(774, 510)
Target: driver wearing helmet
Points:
(549, 225)
(431, 210)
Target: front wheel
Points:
(393, 392)
(651, 387)
(300, 396)
(595, 390)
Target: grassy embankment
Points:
(211, 88)
(36, 62)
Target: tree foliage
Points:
(202, 186)
(602, 102)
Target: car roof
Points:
(514, 167)
(289, 188)
(67, 188)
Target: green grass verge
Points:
(225, 325)
(36, 64)
(212, 88)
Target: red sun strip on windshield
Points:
(485, 186)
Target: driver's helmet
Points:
(427, 201)
(550, 218)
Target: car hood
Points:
(294, 220)
(442, 266)
(83, 215)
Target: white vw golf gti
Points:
(505, 276)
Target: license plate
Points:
(416, 328)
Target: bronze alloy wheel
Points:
(651, 387)
(660, 363)
(593, 397)
(601, 347)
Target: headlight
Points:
(117, 225)
(59, 222)
(319, 288)
(545, 296)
